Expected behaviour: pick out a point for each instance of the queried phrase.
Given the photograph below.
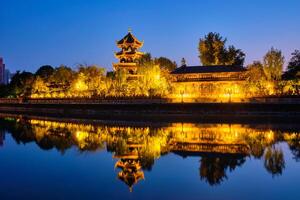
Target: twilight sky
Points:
(39, 32)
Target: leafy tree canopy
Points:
(255, 72)
(44, 71)
(163, 62)
(21, 83)
(62, 76)
(273, 64)
(213, 51)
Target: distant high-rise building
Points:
(2, 71)
(7, 76)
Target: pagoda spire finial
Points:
(129, 30)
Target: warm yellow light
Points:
(157, 77)
(80, 86)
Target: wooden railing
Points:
(108, 100)
(141, 100)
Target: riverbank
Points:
(163, 112)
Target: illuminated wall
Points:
(223, 91)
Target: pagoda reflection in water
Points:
(222, 147)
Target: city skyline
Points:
(76, 32)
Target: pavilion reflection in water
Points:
(222, 147)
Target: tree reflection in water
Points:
(221, 147)
(2, 137)
(274, 160)
(213, 167)
(293, 141)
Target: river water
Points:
(87, 159)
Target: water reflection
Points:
(221, 147)
(2, 137)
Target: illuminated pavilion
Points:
(209, 73)
(213, 83)
(129, 54)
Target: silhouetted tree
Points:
(21, 84)
(165, 63)
(212, 51)
(234, 56)
(45, 72)
(4, 90)
(293, 69)
(145, 59)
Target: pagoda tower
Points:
(129, 54)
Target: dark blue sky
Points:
(38, 32)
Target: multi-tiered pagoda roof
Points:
(129, 53)
(129, 40)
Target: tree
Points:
(255, 72)
(39, 87)
(88, 81)
(234, 56)
(120, 83)
(257, 81)
(152, 81)
(144, 59)
(212, 51)
(273, 64)
(62, 77)
(45, 72)
(293, 69)
(91, 70)
(295, 60)
(94, 78)
(162, 62)
(4, 91)
(79, 85)
(165, 63)
(21, 84)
